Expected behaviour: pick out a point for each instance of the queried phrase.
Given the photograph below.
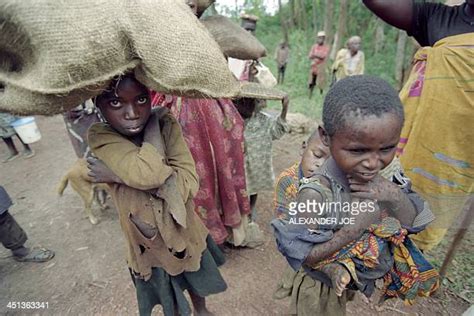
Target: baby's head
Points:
(362, 121)
(313, 154)
(125, 105)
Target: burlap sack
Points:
(234, 41)
(54, 54)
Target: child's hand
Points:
(378, 189)
(100, 173)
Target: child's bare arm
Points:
(341, 237)
(284, 107)
(388, 195)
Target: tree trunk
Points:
(341, 29)
(329, 12)
(400, 58)
(284, 27)
(292, 13)
(303, 16)
(379, 35)
(315, 7)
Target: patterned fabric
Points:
(436, 141)
(213, 131)
(411, 274)
(260, 130)
(320, 51)
(286, 191)
(5, 128)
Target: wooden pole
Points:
(465, 223)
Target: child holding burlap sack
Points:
(144, 159)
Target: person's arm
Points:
(342, 237)
(284, 107)
(388, 195)
(142, 168)
(279, 127)
(398, 13)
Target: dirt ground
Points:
(89, 274)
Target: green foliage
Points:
(382, 64)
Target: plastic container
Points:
(27, 129)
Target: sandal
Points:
(36, 255)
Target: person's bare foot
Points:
(340, 277)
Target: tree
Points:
(341, 29)
(400, 58)
(329, 12)
(283, 22)
(379, 35)
(315, 7)
(304, 19)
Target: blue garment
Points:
(5, 201)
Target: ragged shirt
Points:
(158, 190)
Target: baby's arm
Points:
(342, 237)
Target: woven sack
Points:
(56, 54)
(234, 41)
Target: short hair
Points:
(313, 136)
(360, 96)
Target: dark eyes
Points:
(388, 149)
(362, 150)
(115, 103)
(142, 100)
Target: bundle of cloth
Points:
(53, 61)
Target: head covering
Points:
(55, 61)
(258, 91)
(321, 34)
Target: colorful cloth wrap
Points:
(435, 147)
(411, 274)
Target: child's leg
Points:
(339, 275)
(199, 304)
(28, 152)
(253, 202)
(11, 148)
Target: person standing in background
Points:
(318, 54)
(349, 61)
(282, 54)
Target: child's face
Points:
(314, 155)
(127, 109)
(366, 145)
(245, 106)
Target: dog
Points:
(87, 190)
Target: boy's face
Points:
(313, 156)
(366, 145)
(127, 109)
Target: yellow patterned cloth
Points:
(436, 148)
